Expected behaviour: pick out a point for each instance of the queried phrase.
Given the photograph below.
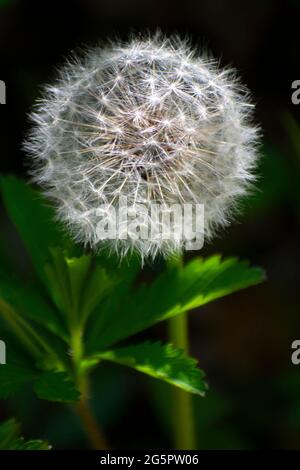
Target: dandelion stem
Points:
(182, 405)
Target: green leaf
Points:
(31, 304)
(36, 444)
(33, 218)
(56, 386)
(77, 285)
(19, 327)
(58, 283)
(99, 284)
(78, 270)
(121, 275)
(174, 292)
(13, 377)
(161, 361)
(9, 431)
(52, 386)
(10, 438)
(15, 352)
(47, 349)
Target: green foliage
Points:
(52, 386)
(12, 377)
(175, 291)
(32, 305)
(33, 219)
(56, 386)
(85, 305)
(10, 438)
(161, 361)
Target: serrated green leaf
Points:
(56, 386)
(34, 220)
(13, 377)
(10, 438)
(161, 361)
(175, 291)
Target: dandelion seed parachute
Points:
(149, 120)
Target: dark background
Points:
(243, 342)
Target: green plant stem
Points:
(82, 408)
(90, 425)
(182, 406)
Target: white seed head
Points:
(149, 120)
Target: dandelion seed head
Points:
(150, 120)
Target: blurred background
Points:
(243, 341)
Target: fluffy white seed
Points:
(149, 120)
